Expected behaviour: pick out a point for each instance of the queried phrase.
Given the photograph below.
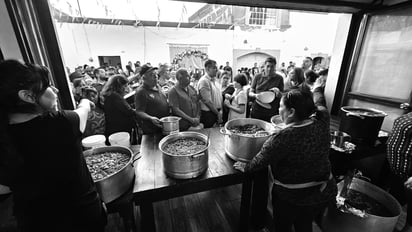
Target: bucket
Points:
(170, 125)
(362, 124)
(94, 141)
(120, 139)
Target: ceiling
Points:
(336, 6)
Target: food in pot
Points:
(248, 130)
(105, 164)
(185, 146)
(359, 203)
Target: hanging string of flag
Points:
(71, 9)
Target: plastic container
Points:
(266, 97)
(94, 141)
(120, 139)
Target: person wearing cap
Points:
(150, 101)
(210, 96)
(184, 101)
(75, 75)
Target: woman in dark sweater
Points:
(120, 117)
(299, 160)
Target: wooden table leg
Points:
(147, 215)
(245, 205)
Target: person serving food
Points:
(300, 191)
(41, 158)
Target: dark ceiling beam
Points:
(62, 17)
(332, 6)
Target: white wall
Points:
(79, 42)
(8, 41)
(337, 57)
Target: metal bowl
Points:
(114, 185)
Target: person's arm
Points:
(322, 112)
(140, 104)
(270, 153)
(241, 102)
(279, 89)
(82, 111)
(239, 110)
(281, 85)
(318, 97)
(123, 106)
(252, 89)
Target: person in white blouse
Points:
(236, 103)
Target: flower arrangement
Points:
(197, 53)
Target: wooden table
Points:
(152, 184)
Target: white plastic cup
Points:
(120, 139)
(94, 141)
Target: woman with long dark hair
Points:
(120, 117)
(41, 158)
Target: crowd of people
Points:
(212, 96)
(202, 98)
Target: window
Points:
(382, 74)
(257, 16)
(262, 16)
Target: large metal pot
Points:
(241, 147)
(170, 125)
(362, 124)
(113, 186)
(184, 166)
(338, 221)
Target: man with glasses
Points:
(150, 101)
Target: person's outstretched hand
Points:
(156, 121)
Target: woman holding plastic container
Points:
(41, 159)
(299, 160)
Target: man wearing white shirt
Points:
(210, 96)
